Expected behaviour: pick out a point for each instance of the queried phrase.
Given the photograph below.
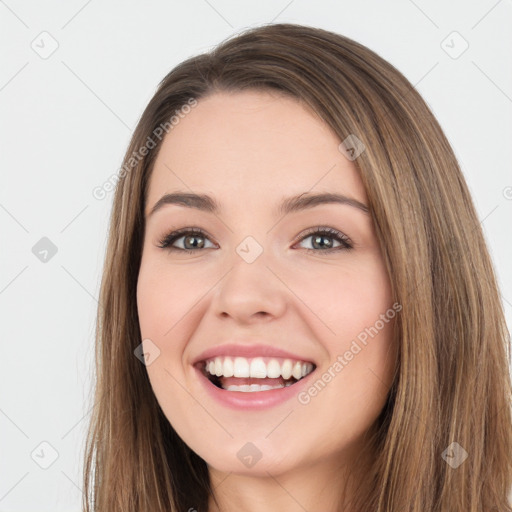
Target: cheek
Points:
(153, 302)
(165, 303)
(347, 298)
(352, 386)
(165, 299)
(356, 304)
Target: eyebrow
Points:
(292, 204)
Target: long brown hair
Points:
(452, 383)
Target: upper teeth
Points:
(257, 367)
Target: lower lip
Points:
(255, 400)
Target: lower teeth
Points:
(252, 388)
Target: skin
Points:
(249, 150)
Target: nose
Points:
(250, 292)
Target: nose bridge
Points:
(250, 250)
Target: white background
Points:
(65, 125)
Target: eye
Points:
(190, 237)
(320, 237)
(194, 239)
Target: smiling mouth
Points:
(249, 375)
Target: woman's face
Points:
(254, 295)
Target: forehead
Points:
(252, 146)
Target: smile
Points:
(254, 375)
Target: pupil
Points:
(321, 237)
(187, 239)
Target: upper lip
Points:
(248, 351)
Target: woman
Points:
(298, 309)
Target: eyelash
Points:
(346, 244)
